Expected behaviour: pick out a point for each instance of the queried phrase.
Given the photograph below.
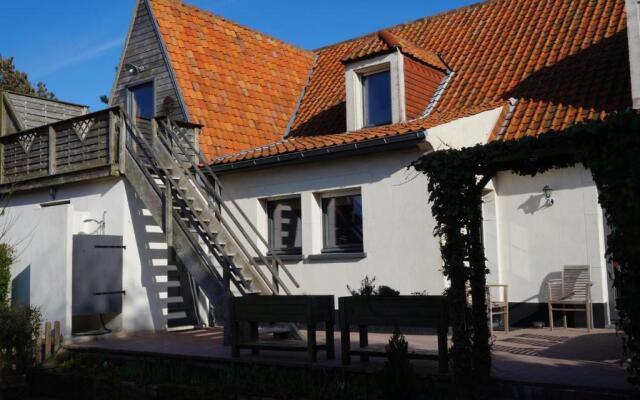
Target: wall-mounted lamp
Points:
(547, 195)
(133, 69)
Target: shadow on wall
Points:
(533, 204)
(21, 288)
(148, 272)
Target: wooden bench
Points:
(307, 310)
(400, 311)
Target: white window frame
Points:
(392, 62)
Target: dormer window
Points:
(389, 80)
(376, 98)
(375, 91)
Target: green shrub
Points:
(7, 258)
(18, 332)
(399, 379)
(368, 288)
(386, 291)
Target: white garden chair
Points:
(498, 306)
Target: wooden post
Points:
(311, 341)
(505, 316)
(345, 340)
(364, 342)
(154, 131)
(38, 349)
(253, 332)
(113, 143)
(167, 213)
(47, 340)
(122, 142)
(329, 334)
(1, 163)
(56, 336)
(274, 278)
(52, 150)
(550, 306)
(232, 322)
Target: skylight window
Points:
(376, 96)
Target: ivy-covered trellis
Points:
(610, 149)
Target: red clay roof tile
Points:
(564, 60)
(559, 57)
(240, 84)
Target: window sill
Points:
(337, 256)
(284, 257)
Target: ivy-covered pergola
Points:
(610, 149)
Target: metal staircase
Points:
(207, 233)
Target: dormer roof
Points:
(384, 42)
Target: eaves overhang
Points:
(351, 149)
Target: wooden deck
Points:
(571, 357)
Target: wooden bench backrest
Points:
(409, 311)
(282, 308)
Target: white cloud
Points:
(80, 57)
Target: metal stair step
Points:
(179, 328)
(177, 315)
(175, 299)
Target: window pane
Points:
(377, 98)
(343, 223)
(285, 226)
(142, 107)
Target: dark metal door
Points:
(97, 274)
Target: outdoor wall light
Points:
(133, 69)
(547, 195)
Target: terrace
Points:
(535, 360)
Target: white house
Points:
(313, 148)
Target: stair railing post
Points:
(226, 282)
(167, 220)
(276, 285)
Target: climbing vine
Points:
(610, 149)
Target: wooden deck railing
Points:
(83, 143)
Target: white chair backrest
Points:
(575, 281)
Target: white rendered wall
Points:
(401, 251)
(43, 238)
(464, 132)
(536, 241)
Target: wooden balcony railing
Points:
(65, 151)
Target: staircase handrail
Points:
(220, 198)
(131, 131)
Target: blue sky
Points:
(75, 45)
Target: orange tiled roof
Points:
(385, 41)
(303, 143)
(240, 84)
(565, 60)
